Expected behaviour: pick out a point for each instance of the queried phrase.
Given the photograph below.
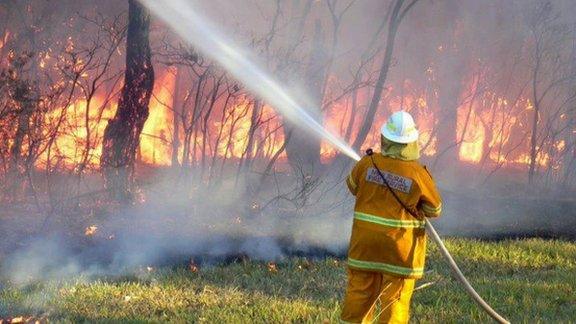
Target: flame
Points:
(426, 121)
(473, 135)
(4, 39)
(560, 145)
(192, 266)
(90, 230)
(486, 130)
(44, 58)
(70, 143)
(272, 267)
(542, 159)
(493, 130)
(155, 140)
(235, 130)
(333, 121)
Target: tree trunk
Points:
(303, 150)
(536, 117)
(176, 119)
(453, 69)
(246, 161)
(122, 134)
(394, 23)
(16, 167)
(448, 100)
(533, 144)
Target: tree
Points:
(551, 38)
(303, 150)
(451, 71)
(398, 13)
(122, 134)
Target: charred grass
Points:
(530, 281)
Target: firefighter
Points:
(388, 243)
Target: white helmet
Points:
(400, 128)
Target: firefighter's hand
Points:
(421, 215)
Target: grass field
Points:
(529, 281)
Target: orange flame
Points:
(4, 39)
(155, 147)
(483, 135)
(90, 230)
(473, 135)
(69, 145)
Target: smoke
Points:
(205, 226)
(43, 258)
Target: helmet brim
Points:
(412, 137)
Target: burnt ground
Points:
(496, 218)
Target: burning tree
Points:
(20, 107)
(397, 14)
(477, 95)
(122, 135)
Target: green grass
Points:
(529, 281)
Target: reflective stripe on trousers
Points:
(380, 266)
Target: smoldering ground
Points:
(215, 224)
(203, 225)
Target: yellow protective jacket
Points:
(385, 237)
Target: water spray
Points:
(183, 18)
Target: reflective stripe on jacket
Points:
(385, 237)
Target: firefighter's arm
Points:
(353, 179)
(430, 201)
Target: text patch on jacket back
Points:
(395, 181)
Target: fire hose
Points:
(460, 276)
(436, 238)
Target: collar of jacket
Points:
(405, 152)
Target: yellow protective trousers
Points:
(375, 297)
